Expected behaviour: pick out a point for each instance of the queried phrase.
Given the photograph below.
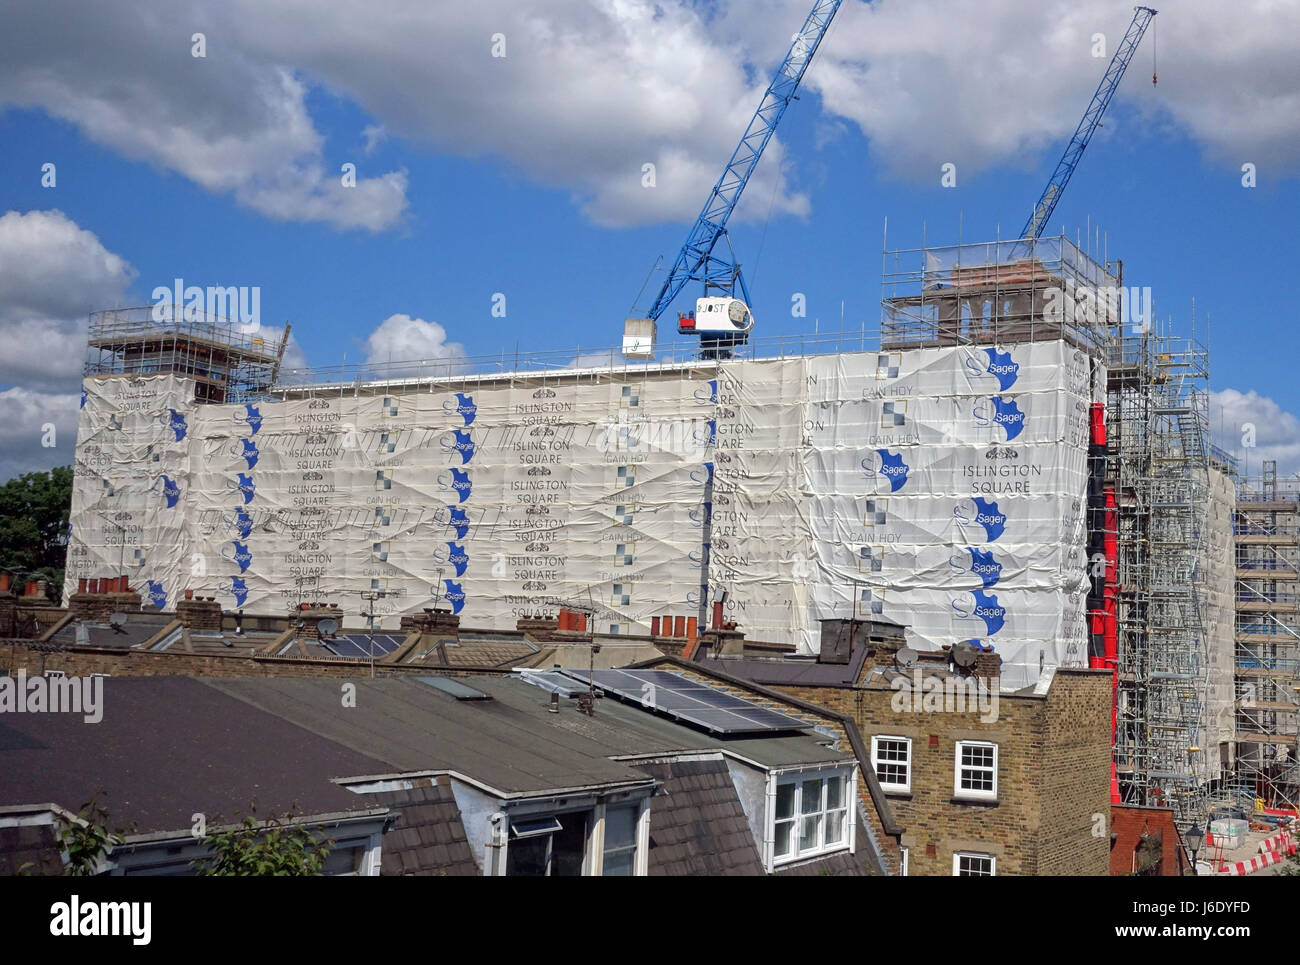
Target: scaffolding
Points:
(998, 292)
(1267, 525)
(229, 360)
(1159, 465)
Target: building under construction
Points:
(1002, 466)
(1267, 582)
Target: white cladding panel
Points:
(942, 488)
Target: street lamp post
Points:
(1194, 839)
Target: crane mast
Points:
(1088, 124)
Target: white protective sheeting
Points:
(942, 488)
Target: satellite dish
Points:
(327, 627)
(964, 653)
(906, 658)
(117, 619)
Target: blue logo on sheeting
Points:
(1008, 415)
(466, 408)
(458, 558)
(171, 492)
(83, 398)
(703, 475)
(892, 468)
(240, 590)
(241, 523)
(176, 422)
(460, 442)
(987, 515)
(455, 596)
(248, 452)
(707, 396)
(241, 555)
(459, 521)
(253, 416)
(985, 566)
(157, 595)
(987, 609)
(1002, 368)
(461, 483)
(246, 487)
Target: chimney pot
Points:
(654, 626)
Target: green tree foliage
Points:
(85, 844)
(34, 511)
(277, 848)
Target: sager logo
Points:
(74, 918)
(891, 467)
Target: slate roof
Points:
(168, 747)
(791, 671)
(140, 626)
(697, 825)
(428, 837)
(474, 650)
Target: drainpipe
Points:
(769, 825)
(494, 862)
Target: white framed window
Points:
(620, 841)
(811, 816)
(972, 864)
(975, 774)
(902, 862)
(891, 757)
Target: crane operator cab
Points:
(721, 322)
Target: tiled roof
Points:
(697, 826)
(428, 838)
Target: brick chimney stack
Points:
(198, 613)
(96, 600)
(436, 620)
(309, 615)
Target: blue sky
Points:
(570, 248)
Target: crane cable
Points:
(1155, 36)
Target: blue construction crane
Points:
(1091, 118)
(727, 320)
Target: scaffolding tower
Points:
(229, 360)
(1267, 526)
(1159, 454)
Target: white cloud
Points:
(589, 91)
(985, 82)
(1255, 428)
(401, 338)
(28, 418)
(53, 273)
(230, 122)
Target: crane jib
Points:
(1088, 124)
(696, 261)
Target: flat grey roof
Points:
(511, 743)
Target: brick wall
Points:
(149, 663)
(1053, 776)
(1076, 775)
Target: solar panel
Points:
(358, 645)
(689, 700)
(454, 688)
